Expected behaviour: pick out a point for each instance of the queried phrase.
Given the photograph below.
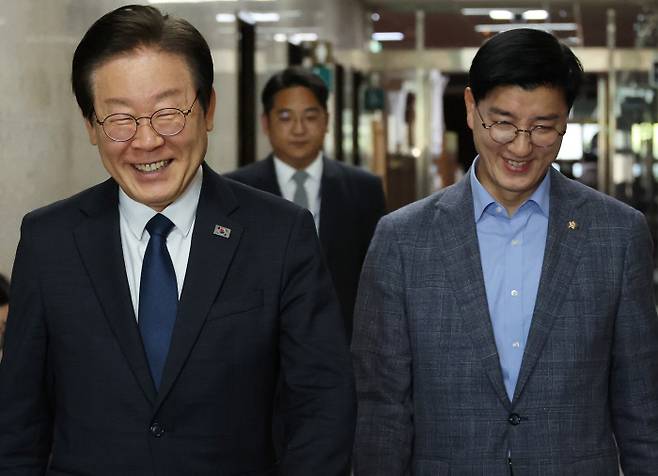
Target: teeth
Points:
(514, 163)
(152, 167)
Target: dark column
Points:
(246, 93)
(339, 101)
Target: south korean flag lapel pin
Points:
(222, 231)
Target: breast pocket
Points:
(234, 305)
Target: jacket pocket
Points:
(605, 464)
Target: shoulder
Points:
(250, 172)
(69, 211)
(603, 210)
(255, 204)
(352, 173)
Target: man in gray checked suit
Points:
(506, 325)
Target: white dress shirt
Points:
(133, 217)
(287, 185)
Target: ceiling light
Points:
(375, 17)
(388, 36)
(501, 15)
(202, 1)
(259, 17)
(280, 37)
(298, 38)
(225, 18)
(482, 12)
(535, 15)
(189, 1)
(497, 28)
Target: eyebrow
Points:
(167, 93)
(501, 112)
(288, 109)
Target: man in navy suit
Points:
(87, 387)
(346, 202)
(506, 325)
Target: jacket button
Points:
(156, 429)
(514, 419)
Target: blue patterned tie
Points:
(158, 296)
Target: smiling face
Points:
(512, 172)
(296, 126)
(151, 169)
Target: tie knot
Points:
(159, 225)
(300, 177)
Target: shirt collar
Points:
(482, 198)
(285, 171)
(181, 212)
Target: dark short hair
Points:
(290, 78)
(527, 58)
(133, 26)
(4, 290)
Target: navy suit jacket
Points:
(352, 202)
(429, 384)
(255, 307)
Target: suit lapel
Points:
(208, 263)
(458, 242)
(567, 225)
(99, 241)
(332, 204)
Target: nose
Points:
(145, 137)
(298, 126)
(521, 145)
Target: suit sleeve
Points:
(634, 372)
(382, 361)
(318, 388)
(25, 418)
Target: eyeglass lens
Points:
(539, 136)
(122, 127)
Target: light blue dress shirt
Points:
(512, 253)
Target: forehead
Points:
(526, 102)
(141, 73)
(296, 97)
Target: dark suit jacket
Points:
(352, 202)
(429, 383)
(254, 306)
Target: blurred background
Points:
(396, 69)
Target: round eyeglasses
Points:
(122, 127)
(505, 132)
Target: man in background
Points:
(154, 314)
(346, 202)
(506, 325)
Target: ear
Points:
(210, 113)
(91, 131)
(327, 117)
(469, 100)
(265, 124)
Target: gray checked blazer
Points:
(430, 389)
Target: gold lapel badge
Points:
(572, 224)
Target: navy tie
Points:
(158, 296)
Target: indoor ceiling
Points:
(585, 21)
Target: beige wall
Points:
(44, 152)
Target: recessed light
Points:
(535, 15)
(388, 36)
